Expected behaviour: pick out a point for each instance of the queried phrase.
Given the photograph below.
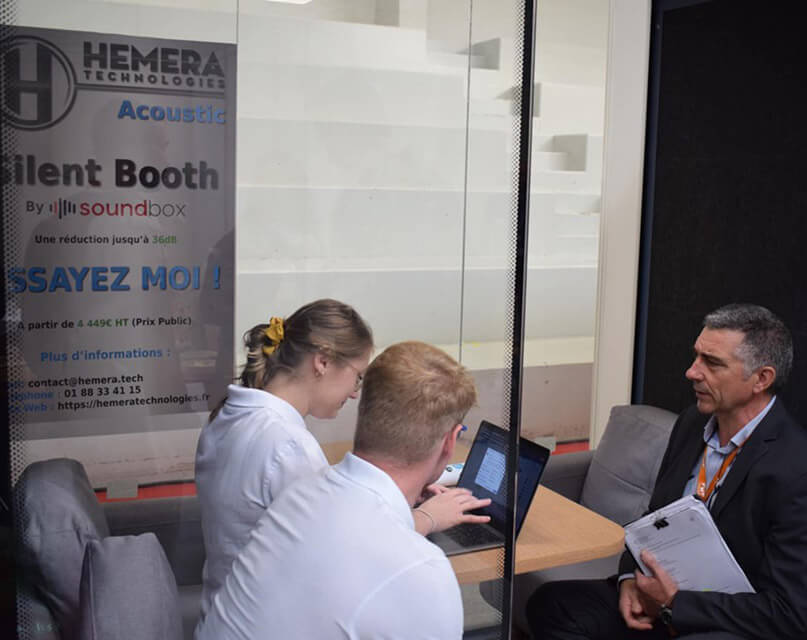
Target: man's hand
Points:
(631, 607)
(447, 507)
(657, 589)
(432, 490)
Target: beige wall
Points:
(625, 103)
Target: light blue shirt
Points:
(715, 454)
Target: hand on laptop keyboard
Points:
(447, 508)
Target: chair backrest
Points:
(623, 470)
(60, 514)
(128, 591)
(177, 523)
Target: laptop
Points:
(484, 475)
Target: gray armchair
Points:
(62, 519)
(60, 514)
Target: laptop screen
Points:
(484, 473)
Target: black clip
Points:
(661, 523)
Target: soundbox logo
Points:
(62, 208)
(39, 83)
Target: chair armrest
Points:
(566, 473)
(177, 524)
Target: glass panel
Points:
(489, 286)
(564, 220)
(568, 100)
(118, 202)
(132, 202)
(375, 163)
(351, 167)
(352, 164)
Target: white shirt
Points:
(337, 556)
(256, 446)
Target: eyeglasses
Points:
(359, 374)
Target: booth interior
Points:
(376, 162)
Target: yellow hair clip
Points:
(275, 334)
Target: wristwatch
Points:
(665, 615)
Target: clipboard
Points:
(687, 544)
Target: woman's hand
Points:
(446, 508)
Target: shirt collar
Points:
(246, 398)
(379, 482)
(710, 431)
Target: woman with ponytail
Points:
(256, 442)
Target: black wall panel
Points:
(725, 213)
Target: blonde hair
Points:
(412, 395)
(323, 326)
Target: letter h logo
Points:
(38, 83)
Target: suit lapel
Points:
(690, 454)
(680, 468)
(752, 451)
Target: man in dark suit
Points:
(740, 452)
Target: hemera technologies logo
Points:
(38, 81)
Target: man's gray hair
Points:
(767, 340)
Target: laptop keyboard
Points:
(470, 534)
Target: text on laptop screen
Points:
(491, 471)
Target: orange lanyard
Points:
(701, 490)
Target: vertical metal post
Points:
(519, 296)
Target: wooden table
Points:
(557, 531)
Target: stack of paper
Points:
(687, 544)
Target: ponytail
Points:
(323, 326)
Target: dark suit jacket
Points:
(761, 511)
